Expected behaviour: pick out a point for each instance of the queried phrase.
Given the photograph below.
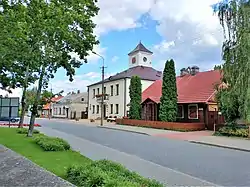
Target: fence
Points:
(162, 125)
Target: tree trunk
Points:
(23, 101)
(23, 108)
(36, 102)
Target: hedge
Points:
(25, 131)
(105, 173)
(51, 143)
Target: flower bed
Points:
(15, 125)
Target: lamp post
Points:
(102, 101)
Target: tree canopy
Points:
(234, 16)
(45, 34)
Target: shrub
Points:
(107, 174)
(25, 131)
(51, 143)
(90, 175)
(118, 170)
(229, 131)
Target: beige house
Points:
(72, 106)
(116, 87)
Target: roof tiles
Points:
(199, 88)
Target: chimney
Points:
(78, 91)
(194, 70)
(183, 72)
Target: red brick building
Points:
(196, 98)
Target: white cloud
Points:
(114, 59)
(194, 30)
(120, 15)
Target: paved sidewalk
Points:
(225, 142)
(145, 168)
(16, 170)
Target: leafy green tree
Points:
(52, 30)
(234, 17)
(135, 91)
(228, 105)
(168, 104)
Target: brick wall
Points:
(162, 125)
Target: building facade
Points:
(72, 106)
(116, 88)
(196, 98)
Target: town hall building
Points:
(116, 88)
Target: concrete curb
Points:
(221, 146)
(125, 130)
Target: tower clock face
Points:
(133, 60)
(145, 59)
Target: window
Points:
(63, 110)
(192, 111)
(104, 90)
(111, 109)
(97, 109)
(116, 108)
(93, 111)
(60, 111)
(180, 111)
(82, 99)
(111, 90)
(98, 91)
(93, 93)
(117, 89)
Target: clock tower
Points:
(140, 56)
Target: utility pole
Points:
(50, 112)
(102, 99)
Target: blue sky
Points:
(185, 30)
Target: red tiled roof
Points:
(54, 99)
(199, 88)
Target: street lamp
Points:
(102, 101)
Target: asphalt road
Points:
(216, 165)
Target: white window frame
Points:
(182, 112)
(196, 105)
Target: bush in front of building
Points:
(229, 131)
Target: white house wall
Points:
(115, 99)
(123, 94)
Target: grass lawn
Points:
(56, 162)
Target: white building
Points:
(72, 106)
(117, 87)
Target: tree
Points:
(135, 91)
(168, 102)
(234, 17)
(53, 30)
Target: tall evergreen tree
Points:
(135, 91)
(168, 105)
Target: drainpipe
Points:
(88, 104)
(125, 96)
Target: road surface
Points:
(220, 166)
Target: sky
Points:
(187, 31)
